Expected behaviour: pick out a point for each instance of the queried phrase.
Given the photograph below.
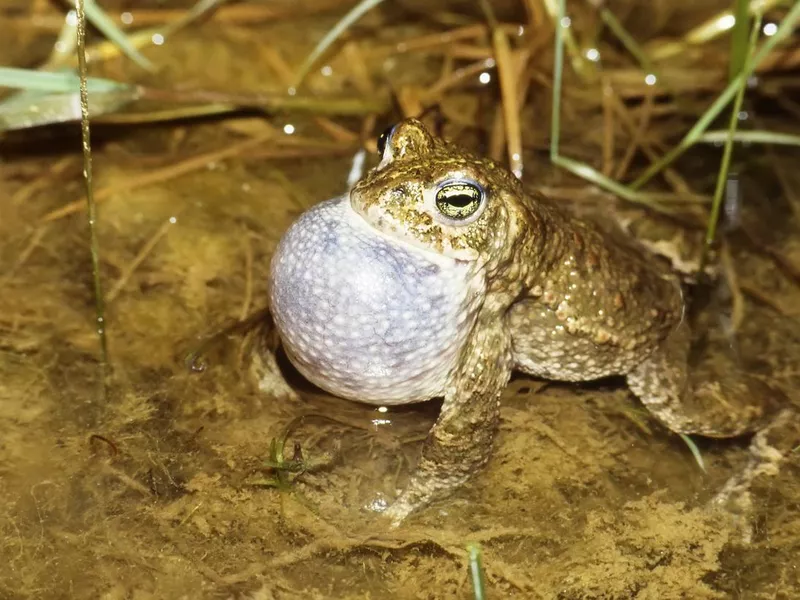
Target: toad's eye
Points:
(383, 139)
(458, 199)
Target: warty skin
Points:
(438, 275)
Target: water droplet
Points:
(726, 22)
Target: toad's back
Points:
(597, 308)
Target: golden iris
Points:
(459, 199)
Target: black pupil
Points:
(384, 138)
(460, 200)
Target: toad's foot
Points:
(264, 369)
(441, 470)
(768, 449)
(460, 442)
(718, 400)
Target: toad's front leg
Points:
(460, 442)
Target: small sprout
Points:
(476, 571)
(195, 363)
(280, 472)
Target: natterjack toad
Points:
(437, 275)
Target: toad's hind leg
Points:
(716, 399)
(713, 398)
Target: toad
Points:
(438, 275)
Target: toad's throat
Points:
(367, 318)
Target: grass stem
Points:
(558, 67)
(87, 177)
(722, 176)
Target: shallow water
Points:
(154, 485)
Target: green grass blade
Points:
(722, 176)
(754, 136)
(109, 28)
(694, 450)
(49, 97)
(65, 81)
(200, 8)
(577, 168)
(594, 176)
(351, 17)
(627, 40)
(66, 43)
(34, 109)
(94, 246)
(784, 30)
(583, 68)
(558, 70)
(740, 36)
